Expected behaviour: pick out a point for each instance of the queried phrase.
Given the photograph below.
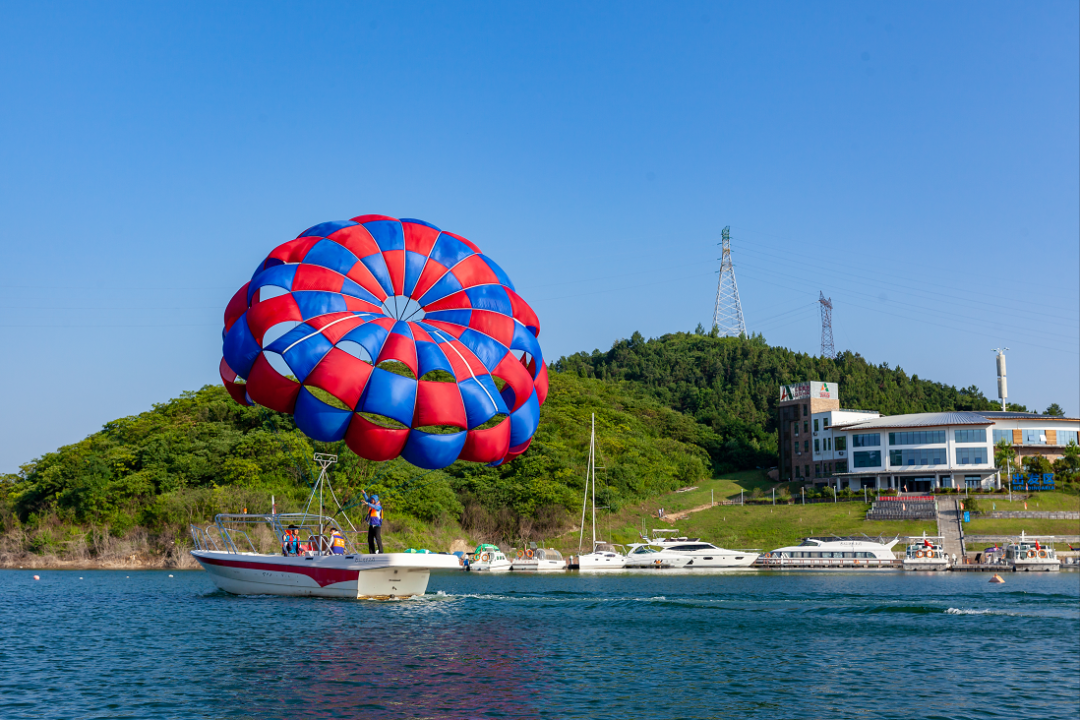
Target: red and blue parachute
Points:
(324, 313)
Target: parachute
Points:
(398, 337)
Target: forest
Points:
(669, 411)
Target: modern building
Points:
(856, 449)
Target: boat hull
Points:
(1037, 565)
(389, 576)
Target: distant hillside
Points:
(732, 385)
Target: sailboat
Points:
(604, 555)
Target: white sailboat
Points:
(604, 556)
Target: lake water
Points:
(106, 644)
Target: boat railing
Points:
(795, 563)
(202, 540)
(229, 532)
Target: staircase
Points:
(911, 507)
(948, 527)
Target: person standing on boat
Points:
(375, 518)
(290, 542)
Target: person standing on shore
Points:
(375, 518)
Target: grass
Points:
(1013, 526)
(1045, 501)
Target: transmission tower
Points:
(828, 350)
(727, 314)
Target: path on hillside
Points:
(948, 525)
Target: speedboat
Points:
(833, 553)
(488, 558)
(232, 562)
(926, 553)
(641, 555)
(604, 556)
(538, 560)
(1026, 554)
(703, 554)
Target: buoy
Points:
(170, 576)
(36, 577)
(997, 579)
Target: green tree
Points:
(1004, 457)
(1055, 410)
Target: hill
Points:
(670, 412)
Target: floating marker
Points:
(36, 577)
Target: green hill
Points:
(670, 412)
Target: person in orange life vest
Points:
(375, 518)
(337, 542)
(290, 542)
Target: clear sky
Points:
(917, 162)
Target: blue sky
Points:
(917, 162)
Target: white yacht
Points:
(833, 553)
(926, 553)
(488, 558)
(604, 556)
(702, 554)
(1027, 553)
(537, 559)
(642, 555)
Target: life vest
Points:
(375, 516)
(337, 540)
(290, 543)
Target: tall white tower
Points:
(727, 313)
(1003, 386)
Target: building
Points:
(855, 449)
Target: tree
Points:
(1055, 410)
(1067, 467)
(1004, 454)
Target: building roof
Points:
(1011, 415)
(917, 420)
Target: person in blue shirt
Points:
(375, 518)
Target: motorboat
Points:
(702, 554)
(604, 556)
(536, 559)
(926, 553)
(642, 555)
(1027, 554)
(833, 553)
(237, 564)
(488, 558)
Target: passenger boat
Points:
(1028, 554)
(926, 553)
(604, 556)
(234, 563)
(702, 554)
(832, 553)
(536, 559)
(641, 556)
(488, 558)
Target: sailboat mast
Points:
(592, 463)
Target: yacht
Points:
(826, 553)
(537, 559)
(1027, 553)
(604, 556)
(702, 554)
(488, 558)
(926, 553)
(641, 555)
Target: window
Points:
(1034, 437)
(817, 445)
(841, 443)
(1064, 437)
(841, 466)
(919, 456)
(973, 481)
(828, 443)
(919, 437)
(1005, 435)
(817, 469)
(805, 410)
(866, 459)
(970, 435)
(825, 422)
(805, 427)
(866, 440)
(816, 428)
(796, 428)
(807, 471)
(971, 455)
(806, 445)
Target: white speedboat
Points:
(926, 553)
(643, 556)
(538, 560)
(315, 571)
(833, 553)
(604, 556)
(1028, 554)
(703, 554)
(488, 558)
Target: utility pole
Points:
(828, 349)
(727, 312)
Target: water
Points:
(104, 644)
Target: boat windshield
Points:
(642, 550)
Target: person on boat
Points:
(337, 542)
(290, 542)
(375, 518)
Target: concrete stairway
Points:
(948, 526)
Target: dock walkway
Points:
(948, 524)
